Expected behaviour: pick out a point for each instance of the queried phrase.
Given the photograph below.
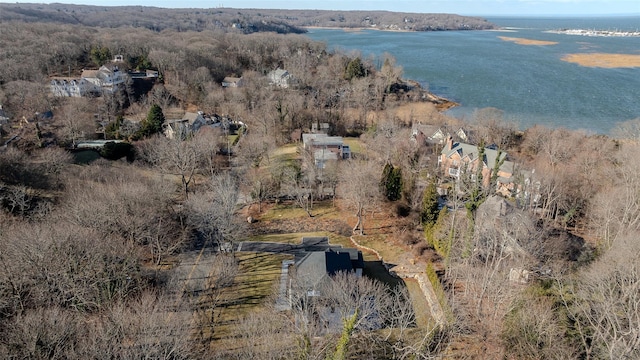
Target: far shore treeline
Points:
(240, 20)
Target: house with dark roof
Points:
(311, 287)
(314, 269)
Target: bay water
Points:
(531, 84)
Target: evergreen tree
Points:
(430, 196)
(153, 123)
(394, 191)
(100, 54)
(496, 169)
(478, 194)
(112, 129)
(391, 182)
(355, 69)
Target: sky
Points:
(462, 7)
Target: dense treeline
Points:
(234, 20)
(97, 260)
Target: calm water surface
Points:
(531, 84)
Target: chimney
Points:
(450, 142)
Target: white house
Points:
(91, 82)
(232, 82)
(105, 78)
(187, 125)
(423, 133)
(280, 78)
(70, 87)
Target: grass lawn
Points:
(389, 251)
(289, 210)
(253, 288)
(296, 238)
(355, 145)
(284, 153)
(420, 304)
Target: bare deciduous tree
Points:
(176, 157)
(214, 214)
(608, 301)
(359, 188)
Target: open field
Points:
(603, 60)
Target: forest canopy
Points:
(238, 20)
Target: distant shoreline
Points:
(599, 33)
(356, 29)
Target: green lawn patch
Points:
(253, 287)
(355, 145)
(420, 304)
(389, 252)
(289, 210)
(285, 153)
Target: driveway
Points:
(297, 250)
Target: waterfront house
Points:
(427, 134)
(457, 159)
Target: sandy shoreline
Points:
(603, 60)
(523, 41)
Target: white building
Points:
(280, 78)
(90, 83)
(69, 87)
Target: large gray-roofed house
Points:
(318, 267)
(456, 158)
